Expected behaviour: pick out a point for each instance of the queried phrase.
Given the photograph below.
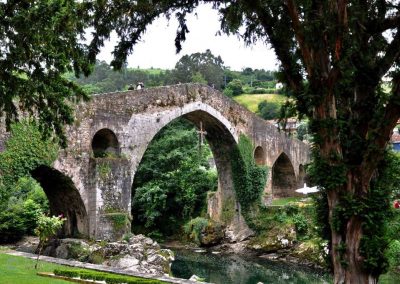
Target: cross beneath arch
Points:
(201, 133)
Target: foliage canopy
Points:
(39, 41)
(172, 180)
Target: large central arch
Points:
(221, 141)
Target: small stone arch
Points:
(105, 143)
(64, 198)
(259, 156)
(283, 177)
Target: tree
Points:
(343, 49)
(234, 88)
(210, 67)
(269, 110)
(40, 41)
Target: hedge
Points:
(108, 277)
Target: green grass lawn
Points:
(285, 201)
(251, 101)
(20, 270)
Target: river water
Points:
(227, 269)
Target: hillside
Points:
(251, 101)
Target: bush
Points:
(269, 110)
(104, 276)
(12, 223)
(67, 272)
(301, 224)
(393, 253)
(234, 88)
(195, 227)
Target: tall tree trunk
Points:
(348, 263)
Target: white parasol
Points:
(307, 190)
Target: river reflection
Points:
(222, 269)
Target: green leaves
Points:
(172, 180)
(48, 227)
(248, 178)
(39, 41)
(25, 150)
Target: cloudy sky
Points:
(157, 48)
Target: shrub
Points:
(46, 228)
(12, 223)
(195, 227)
(234, 88)
(104, 276)
(269, 110)
(393, 253)
(300, 223)
(66, 273)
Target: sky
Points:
(157, 48)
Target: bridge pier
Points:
(110, 198)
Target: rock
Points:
(276, 239)
(212, 234)
(195, 278)
(115, 248)
(238, 230)
(126, 262)
(138, 254)
(239, 247)
(68, 249)
(270, 256)
(27, 244)
(309, 251)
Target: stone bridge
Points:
(91, 182)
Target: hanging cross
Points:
(201, 133)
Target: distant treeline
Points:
(197, 67)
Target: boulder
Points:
(238, 230)
(276, 239)
(212, 234)
(126, 262)
(138, 254)
(310, 251)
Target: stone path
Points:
(103, 268)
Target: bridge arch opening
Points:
(206, 129)
(283, 177)
(64, 199)
(259, 156)
(105, 144)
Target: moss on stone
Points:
(120, 220)
(228, 210)
(103, 169)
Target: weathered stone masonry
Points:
(128, 121)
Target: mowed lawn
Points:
(251, 101)
(20, 270)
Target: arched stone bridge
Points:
(92, 179)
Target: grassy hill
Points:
(150, 71)
(251, 101)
